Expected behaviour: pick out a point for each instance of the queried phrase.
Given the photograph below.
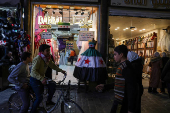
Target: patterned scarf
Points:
(46, 59)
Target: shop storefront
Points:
(141, 25)
(63, 27)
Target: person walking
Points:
(72, 54)
(37, 80)
(19, 77)
(125, 87)
(136, 62)
(155, 73)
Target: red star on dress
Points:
(87, 61)
(79, 59)
(101, 61)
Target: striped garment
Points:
(119, 87)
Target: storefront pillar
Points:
(27, 16)
(103, 29)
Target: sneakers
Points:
(50, 103)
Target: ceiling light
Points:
(135, 29)
(115, 29)
(127, 28)
(124, 29)
(140, 30)
(116, 39)
(132, 30)
(60, 7)
(48, 6)
(143, 29)
(71, 7)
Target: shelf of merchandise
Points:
(145, 48)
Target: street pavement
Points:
(95, 102)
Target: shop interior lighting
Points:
(140, 30)
(71, 7)
(115, 29)
(132, 30)
(127, 28)
(143, 29)
(118, 27)
(124, 29)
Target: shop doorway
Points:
(60, 26)
(141, 35)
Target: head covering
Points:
(156, 54)
(131, 56)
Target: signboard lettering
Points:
(45, 26)
(46, 35)
(156, 4)
(136, 2)
(86, 35)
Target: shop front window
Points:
(59, 26)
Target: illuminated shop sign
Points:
(49, 20)
(45, 26)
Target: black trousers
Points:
(71, 59)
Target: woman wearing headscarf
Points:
(155, 75)
(138, 67)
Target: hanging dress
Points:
(62, 59)
(90, 66)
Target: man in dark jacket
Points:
(125, 88)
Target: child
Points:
(125, 84)
(38, 80)
(19, 77)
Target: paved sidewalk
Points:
(94, 102)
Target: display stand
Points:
(147, 48)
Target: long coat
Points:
(155, 76)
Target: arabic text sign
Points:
(86, 35)
(46, 35)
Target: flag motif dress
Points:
(90, 66)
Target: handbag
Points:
(167, 77)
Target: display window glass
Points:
(59, 26)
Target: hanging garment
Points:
(62, 59)
(66, 57)
(90, 66)
(164, 42)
